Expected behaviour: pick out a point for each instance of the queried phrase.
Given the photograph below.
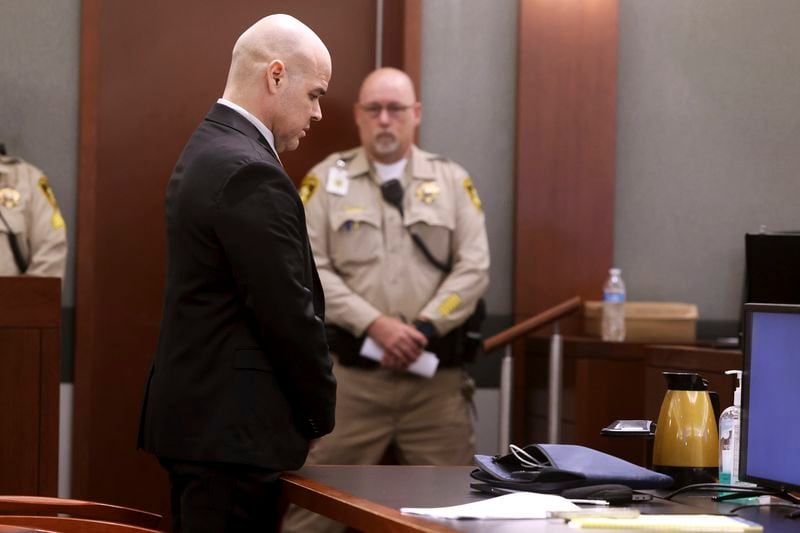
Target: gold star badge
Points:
(427, 192)
(9, 197)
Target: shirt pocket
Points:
(434, 228)
(356, 237)
(15, 220)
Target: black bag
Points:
(551, 468)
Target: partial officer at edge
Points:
(33, 236)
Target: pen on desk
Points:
(588, 502)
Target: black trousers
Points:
(221, 498)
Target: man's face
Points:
(387, 115)
(299, 101)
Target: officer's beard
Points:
(386, 144)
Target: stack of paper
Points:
(519, 505)
(666, 522)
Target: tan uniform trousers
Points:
(427, 420)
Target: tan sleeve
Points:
(47, 238)
(343, 307)
(460, 291)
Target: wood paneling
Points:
(29, 385)
(605, 381)
(402, 31)
(150, 70)
(709, 363)
(602, 382)
(566, 129)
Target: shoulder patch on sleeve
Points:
(473, 193)
(308, 187)
(57, 220)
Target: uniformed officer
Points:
(399, 239)
(33, 238)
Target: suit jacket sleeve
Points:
(262, 229)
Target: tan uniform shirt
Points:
(29, 207)
(366, 258)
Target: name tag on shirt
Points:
(338, 182)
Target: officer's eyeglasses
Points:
(394, 109)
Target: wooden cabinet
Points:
(30, 318)
(603, 382)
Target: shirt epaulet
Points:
(348, 156)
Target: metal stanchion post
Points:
(506, 370)
(554, 396)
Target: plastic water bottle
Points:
(614, 307)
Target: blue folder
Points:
(563, 466)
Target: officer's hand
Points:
(402, 343)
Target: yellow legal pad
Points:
(669, 522)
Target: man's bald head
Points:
(274, 37)
(388, 78)
(279, 69)
(387, 114)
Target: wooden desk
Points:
(368, 498)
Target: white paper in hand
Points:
(424, 366)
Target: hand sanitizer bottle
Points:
(729, 428)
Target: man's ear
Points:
(276, 76)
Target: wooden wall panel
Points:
(566, 129)
(150, 70)
(19, 450)
(402, 37)
(710, 363)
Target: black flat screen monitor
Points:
(772, 267)
(770, 432)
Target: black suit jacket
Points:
(242, 372)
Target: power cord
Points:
(737, 491)
(793, 515)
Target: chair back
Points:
(20, 529)
(46, 507)
(60, 524)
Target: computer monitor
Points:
(770, 416)
(772, 267)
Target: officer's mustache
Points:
(385, 136)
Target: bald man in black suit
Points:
(241, 384)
